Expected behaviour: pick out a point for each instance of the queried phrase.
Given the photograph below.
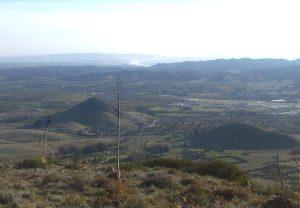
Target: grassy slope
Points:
(85, 185)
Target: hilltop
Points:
(243, 136)
(93, 112)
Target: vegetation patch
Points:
(50, 179)
(88, 149)
(279, 201)
(159, 181)
(215, 168)
(31, 164)
(77, 183)
(8, 199)
(229, 194)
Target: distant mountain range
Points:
(157, 62)
(227, 64)
(86, 59)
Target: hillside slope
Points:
(85, 185)
(243, 136)
(92, 112)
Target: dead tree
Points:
(279, 175)
(294, 159)
(58, 150)
(134, 153)
(118, 130)
(52, 150)
(48, 123)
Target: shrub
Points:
(88, 149)
(161, 181)
(223, 170)
(92, 148)
(279, 201)
(118, 195)
(158, 148)
(77, 183)
(8, 199)
(74, 165)
(68, 149)
(215, 168)
(187, 181)
(129, 166)
(230, 194)
(31, 164)
(74, 201)
(100, 182)
(194, 195)
(48, 179)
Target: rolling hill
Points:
(243, 136)
(92, 112)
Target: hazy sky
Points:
(202, 28)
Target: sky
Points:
(195, 28)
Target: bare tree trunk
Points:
(45, 145)
(118, 133)
(58, 150)
(279, 176)
(48, 122)
(134, 152)
(294, 159)
(52, 151)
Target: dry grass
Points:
(91, 187)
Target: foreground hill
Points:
(243, 136)
(92, 112)
(85, 185)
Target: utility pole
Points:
(48, 123)
(279, 176)
(118, 131)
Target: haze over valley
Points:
(149, 104)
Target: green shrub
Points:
(216, 168)
(129, 166)
(160, 181)
(158, 148)
(31, 164)
(48, 179)
(88, 149)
